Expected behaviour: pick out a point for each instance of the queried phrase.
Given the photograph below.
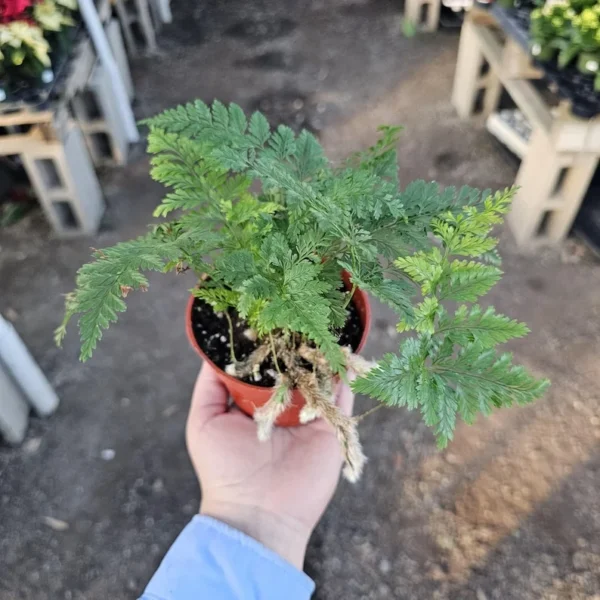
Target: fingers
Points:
(209, 398)
(345, 399)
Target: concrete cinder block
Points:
(66, 185)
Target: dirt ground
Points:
(510, 511)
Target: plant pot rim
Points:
(249, 386)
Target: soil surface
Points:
(212, 334)
(93, 499)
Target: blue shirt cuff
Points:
(211, 560)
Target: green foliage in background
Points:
(571, 31)
(276, 255)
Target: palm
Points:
(291, 476)
(275, 474)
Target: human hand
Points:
(274, 491)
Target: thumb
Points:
(345, 396)
(209, 398)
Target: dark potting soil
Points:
(212, 334)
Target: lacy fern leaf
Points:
(457, 369)
(467, 281)
(103, 284)
(486, 328)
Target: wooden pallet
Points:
(563, 152)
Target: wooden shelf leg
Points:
(145, 20)
(115, 41)
(493, 91)
(537, 177)
(571, 193)
(126, 27)
(466, 76)
(552, 187)
(433, 16)
(412, 13)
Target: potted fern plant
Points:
(284, 247)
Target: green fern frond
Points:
(259, 130)
(397, 294)
(425, 268)
(477, 380)
(305, 313)
(308, 159)
(395, 379)
(220, 298)
(467, 281)
(276, 256)
(484, 380)
(102, 285)
(486, 328)
(450, 366)
(425, 314)
(190, 119)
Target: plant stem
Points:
(359, 418)
(274, 354)
(231, 350)
(350, 294)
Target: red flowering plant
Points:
(28, 29)
(23, 49)
(14, 10)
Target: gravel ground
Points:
(95, 496)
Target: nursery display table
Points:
(72, 125)
(54, 154)
(559, 154)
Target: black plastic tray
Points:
(587, 222)
(36, 95)
(571, 84)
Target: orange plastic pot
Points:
(249, 397)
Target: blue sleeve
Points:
(210, 560)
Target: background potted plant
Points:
(586, 37)
(571, 29)
(55, 17)
(32, 36)
(24, 51)
(550, 31)
(273, 310)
